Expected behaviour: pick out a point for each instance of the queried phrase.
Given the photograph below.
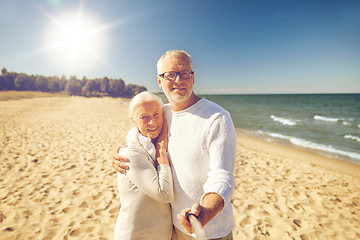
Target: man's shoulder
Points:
(166, 107)
(212, 107)
(167, 110)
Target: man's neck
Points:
(186, 104)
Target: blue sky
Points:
(238, 46)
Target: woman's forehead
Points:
(149, 106)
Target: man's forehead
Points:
(176, 60)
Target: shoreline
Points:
(296, 153)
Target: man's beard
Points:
(177, 98)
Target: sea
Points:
(328, 124)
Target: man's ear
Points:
(159, 81)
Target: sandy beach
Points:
(56, 180)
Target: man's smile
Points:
(179, 89)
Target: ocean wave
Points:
(346, 124)
(284, 121)
(326, 119)
(351, 137)
(315, 146)
(278, 135)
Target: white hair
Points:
(140, 99)
(179, 53)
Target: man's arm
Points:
(212, 204)
(220, 183)
(118, 161)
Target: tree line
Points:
(98, 87)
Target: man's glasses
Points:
(171, 76)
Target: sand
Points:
(56, 180)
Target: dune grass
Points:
(15, 95)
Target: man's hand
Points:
(196, 209)
(212, 204)
(118, 161)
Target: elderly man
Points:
(202, 144)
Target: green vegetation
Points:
(85, 87)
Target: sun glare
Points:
(76, 37)
(75, 41)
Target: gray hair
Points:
(179, 53)
(140, 99)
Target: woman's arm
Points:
(156, 183)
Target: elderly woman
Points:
(147, 188)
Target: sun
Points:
(75, 41)
(76, 38)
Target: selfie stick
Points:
(196, 226)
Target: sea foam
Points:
(284, 121)
(351, 137)
(346, 124)
(326, 119)
(316, 146)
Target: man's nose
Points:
(178, 78)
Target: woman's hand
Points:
(162, 140)
(162, 145)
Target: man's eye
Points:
(170, 75)
(185, 75)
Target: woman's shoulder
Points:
(136, 155)
(132, 149)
